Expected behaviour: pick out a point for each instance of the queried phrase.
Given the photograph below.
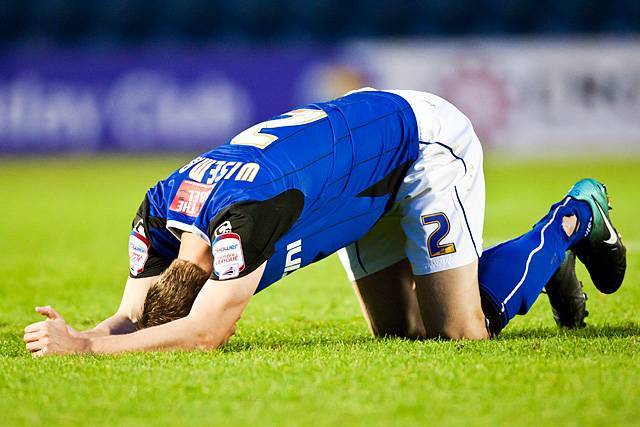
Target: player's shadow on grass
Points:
(292, 341)
(627, 330)
(11, 344)
(296, 343)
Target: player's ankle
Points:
(576, 221)
(570, 224)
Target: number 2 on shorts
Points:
(436, 248)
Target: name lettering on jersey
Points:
(198, 171)
(191, 163)
(248, 172)
(190, 198)
(228, 259)
(211, 171)
(292, 264)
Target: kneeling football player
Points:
(391, 179)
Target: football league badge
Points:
(138, 252)
(228, 259)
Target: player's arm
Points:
(126, 319)
(213, 315)
(209, 325)
(123, 321)
(145, 259)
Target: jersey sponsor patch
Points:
(190, 198)
(138, 252)
(228, 259)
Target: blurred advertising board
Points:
(525, 96)
(521, 95)
(79, 100)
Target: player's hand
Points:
(52, 314)
(52, 336)
(49, 312)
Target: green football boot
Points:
(568, 300)
(602, 253)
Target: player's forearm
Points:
(125, 320)
(181, 334)
(117, 324)
(208, 325)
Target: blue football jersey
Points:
(290, 191)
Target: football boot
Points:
(568, 300)
(602, 252)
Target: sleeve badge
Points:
(138, 252)
(228, 259)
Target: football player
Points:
(393, 180)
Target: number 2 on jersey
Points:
(255, 138)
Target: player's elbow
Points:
(210, 339)
(206, 340)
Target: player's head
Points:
(172, 296)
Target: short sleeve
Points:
(244, 235)
(144, 258)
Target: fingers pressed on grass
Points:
(32, 336)
(36, 345)
(39, 353)
(34, 327)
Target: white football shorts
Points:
(437, 219)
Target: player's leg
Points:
(388, 301)
(443, 226)
(382, 280)
(443, 203)
(450, 305)
(512, 274)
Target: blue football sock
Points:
(512, 274)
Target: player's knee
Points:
(473, 328)
(389, 332)
(469, 333)
(408, 331)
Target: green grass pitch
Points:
(302, 354)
